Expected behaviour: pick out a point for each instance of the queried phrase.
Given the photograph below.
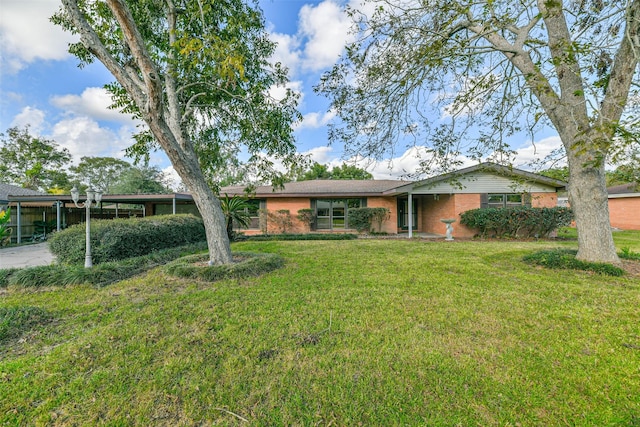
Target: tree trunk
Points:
(589, 200)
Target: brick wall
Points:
(624, 213)
(390, 226)
(293, 205)
(544, 200)
(433, 210)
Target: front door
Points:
(403, 214)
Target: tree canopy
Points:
(32, 162)
(464, 78)
(198, 74)
(344, 171)
(100, 173)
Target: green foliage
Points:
(517, 221)
(15, 321)
(118, 239)
(213, 60)
(566, 259)
(362, 218)
(306, 236)
(102, 173)
(306, 216)
(99, 275)
(345, 171)
(281, 218)
(140, 180)
(627, 253)
(31, 162)
(246, 264)
(235, 210)
(5, 231)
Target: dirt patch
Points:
(631, 267)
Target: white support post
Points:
(410, 210)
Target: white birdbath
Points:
(448, 222)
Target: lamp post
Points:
(91, 197)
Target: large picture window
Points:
(333, 214)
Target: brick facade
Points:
(624, 212)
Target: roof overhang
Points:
(106, 198)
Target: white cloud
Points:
(30, 116)
(279, 92)
(83, 136)
(537, 150)
(93, 102)
(322, 155)
(26, 34)
(316, 120)
(287, 51)
(326, 30)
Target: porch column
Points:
(174, 205)
(58, 226)
(18, 225)
(410, 210)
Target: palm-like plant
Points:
(235, 209)
(5, 231)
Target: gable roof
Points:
(7, 190)
(320, 188)
(487, 167)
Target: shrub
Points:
(362, 218)
(245, 264)
(314, 236)
(282, 219)
(118, 239)
(517, 221)
(566, 259)
(306, 216)
(100, 275)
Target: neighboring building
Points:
(624, 206)
(415, 207)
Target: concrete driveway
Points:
(26, 256)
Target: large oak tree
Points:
(492, 69)
(197, 73)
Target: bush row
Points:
(113, 240)
(516, 222)
(100, 275)
(310, 236)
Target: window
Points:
(505, 200)
(333, 214)
(254, 212)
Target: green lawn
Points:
(363, 332)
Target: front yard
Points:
(364, 332)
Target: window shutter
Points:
(526, 199)
(314, 223)
(484, 200)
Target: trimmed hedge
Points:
(117, 239)
(516, 222)
(311, 236)
(566, 259)
(245, 264)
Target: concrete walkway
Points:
(26, 256)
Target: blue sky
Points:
(41, 85)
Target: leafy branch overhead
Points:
(466, 79)
(198, 74)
